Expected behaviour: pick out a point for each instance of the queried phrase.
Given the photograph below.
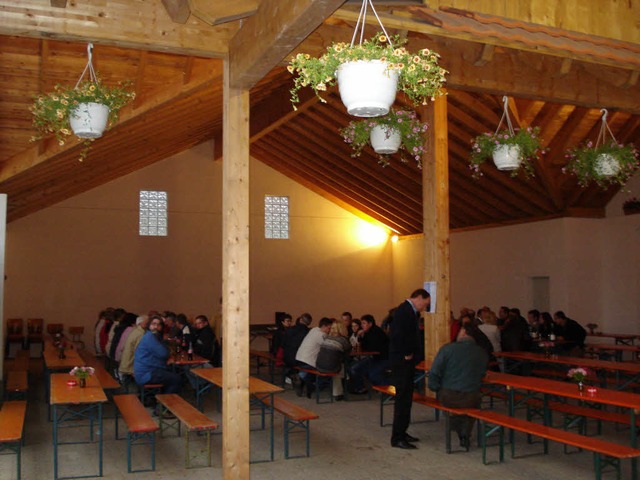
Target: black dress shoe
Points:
(465, 442)
(410, 438)
(404, 445)
(338, 398)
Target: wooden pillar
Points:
(435, 195)
(235, 280)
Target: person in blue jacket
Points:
(150, 360)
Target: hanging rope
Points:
(604, 128)
(89, 67)
(360, 24)
(505, 115)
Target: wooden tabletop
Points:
(183, 359)
(256, 385)
(618, 336)
(52, 361)
(629, 367)
(613, 346)
(566, 389)
(105, 378)
(63, 393)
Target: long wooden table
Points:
(549, 388)
(616, 349)
(631, 369)
(259, 390)
(53, 363)
(73, 403)
(620, 338)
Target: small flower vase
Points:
(61, 354)
(82, 382)
(580, 386)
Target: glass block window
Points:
(276, 217)
(153, 213)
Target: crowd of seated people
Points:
(137, 349)
(509, 331)
(325, 348)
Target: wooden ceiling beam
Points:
(115, 22)
(267, 37)
(178, 10)
(215, 13)
(420, 20)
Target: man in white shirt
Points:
(308, 353)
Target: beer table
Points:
(72, 403)
(631, 369)
(53, 363)
(258, 390)
(616, 349)
(619, 338)
(549, 388)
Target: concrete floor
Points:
(346, 443)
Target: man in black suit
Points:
(404, 347)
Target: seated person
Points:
(125, 368)
(331, 358)
(372, 367)
(150, 360)
(356, 333)
(571, 332)
(291, 342)
(456, 376)
(308, 353)
(203, 342)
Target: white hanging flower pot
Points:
(367, 88)
(385, 140)
(606, 165)
(507, 157)
(89, 120)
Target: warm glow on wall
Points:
(395, 238)
(370, 235)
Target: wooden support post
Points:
(435, 195)
(235, 280)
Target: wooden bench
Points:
(21, 361)
(329, 375)
(141, 428)
(270, 362)
(11, 429)
(17, 385)
(295, 418)
(193, 419)
(389, 391)
(612, 452)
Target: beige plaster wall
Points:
(68, 262)
(593, 266)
